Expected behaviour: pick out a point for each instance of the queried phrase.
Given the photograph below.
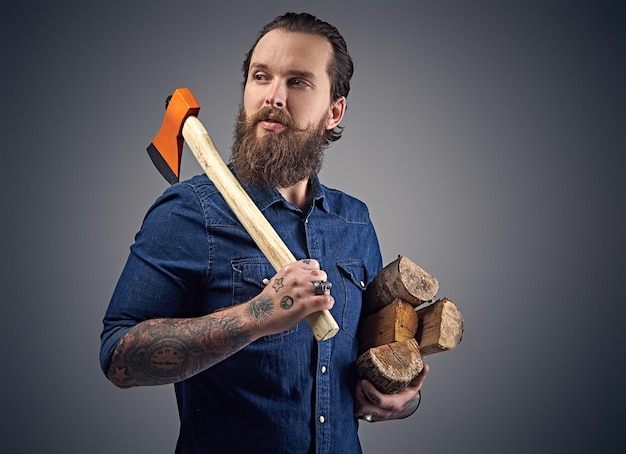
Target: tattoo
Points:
(306, 261)
(164, 351)
(166, 358)
(404, 413)
(286, 302)
(373, 398)
(408, 409)
(260, 308)
(278, 284)
(224, 337)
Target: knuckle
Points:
(312, 263)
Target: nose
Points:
(276, 96)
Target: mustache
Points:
(275, 114)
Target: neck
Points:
(299, 194)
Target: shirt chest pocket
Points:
(353, 282)
(250, 276)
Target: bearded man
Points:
(198, 305)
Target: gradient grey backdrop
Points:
(486, 138)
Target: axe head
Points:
(167, 147)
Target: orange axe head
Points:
(167, 147)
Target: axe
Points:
(180, 122)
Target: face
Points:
(286, 109)
(289, 71)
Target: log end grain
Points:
(391, 367)
(400, 279)
(421, 285)
(440, 327)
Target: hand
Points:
(372, 405)
(289, 297)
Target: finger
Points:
(318, 275)
(419, 380)
(310, 264)
(363, 407)
(370, 393)
(361, 404)
(385, 404)
(321, 288)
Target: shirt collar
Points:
(263, 198)
(319, 194)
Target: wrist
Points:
(256, 316)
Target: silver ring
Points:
(321, 287)
(368, 418)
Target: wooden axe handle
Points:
(201, 145)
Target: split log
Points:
(391, 367)
(394, 335)
(440, 327)
(393, 323)
(401, 279)
(382, 357)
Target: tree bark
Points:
(401, 279)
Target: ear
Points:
(336, 112)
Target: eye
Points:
(300, 83)
(259, 77)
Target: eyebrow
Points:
(293, 72)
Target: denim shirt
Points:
(283, 393)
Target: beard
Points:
(276, 160)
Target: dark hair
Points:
(341, 67)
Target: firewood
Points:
(393, 323)
(440, 327)
(391, 367)
(401, 279)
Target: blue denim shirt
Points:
(284, 393)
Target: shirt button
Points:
(322, 419)
(323, 369)
(362, 284)
(266, 281)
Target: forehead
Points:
(292, 51)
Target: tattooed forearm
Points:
(164, 351)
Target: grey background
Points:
(486, 137)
